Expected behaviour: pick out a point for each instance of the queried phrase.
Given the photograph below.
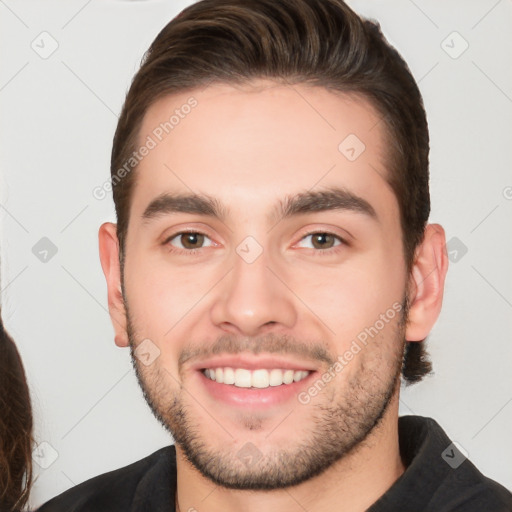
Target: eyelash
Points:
(331, 250)
(316, 252)
(177, 250)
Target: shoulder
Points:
(455, 482)
(438, 476)
(468, 490)
(121, 489)
(490, 495)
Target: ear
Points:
(426, 283)
(109, 256)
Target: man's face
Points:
(271, 279)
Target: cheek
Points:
(352, 296)
(162, 298)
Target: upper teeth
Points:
(260, 378)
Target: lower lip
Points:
(254, 397)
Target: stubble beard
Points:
(340, 423)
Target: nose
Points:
(253, 299)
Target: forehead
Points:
(251, 144)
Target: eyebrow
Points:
(166, 204)
(333, 198)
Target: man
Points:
(272, 270)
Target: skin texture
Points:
(301, 301)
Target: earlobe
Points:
(109, 257)
(426, 283)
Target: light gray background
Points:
(58, 119)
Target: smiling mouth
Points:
(260, 378)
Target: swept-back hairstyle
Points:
(15, 428)
(315, 42)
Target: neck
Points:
(371, 468)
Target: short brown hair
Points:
(315, 42)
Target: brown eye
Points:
(321, 240)
(189, 240)
(192, 240)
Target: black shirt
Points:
(438, 478)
